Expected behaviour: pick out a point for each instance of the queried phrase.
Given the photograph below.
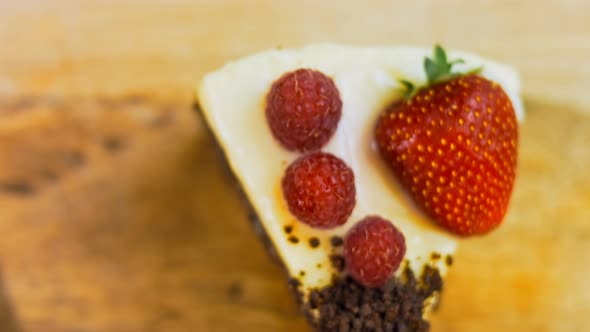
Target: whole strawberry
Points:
(453, 146)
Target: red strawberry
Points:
(453, 146)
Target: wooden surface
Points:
(116, 216)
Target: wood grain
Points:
(116, 214)
(148, 236)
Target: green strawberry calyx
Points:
(438, 69)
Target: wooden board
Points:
(115, 214)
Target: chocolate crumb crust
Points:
(337, 262)
(345, 305)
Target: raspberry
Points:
(319, 190)
(303, 109)
(373, 251)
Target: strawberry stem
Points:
(437, 69)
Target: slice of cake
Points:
(364, 166)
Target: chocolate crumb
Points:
(295, 290)
(344, 325)
(449, 260)
(366, 309)
(431, 280)
(302, 273)
(314, 242)
(435, 256)
(337, 262)
(336, 241)
(314, 300)
(293, 239)
(252, 216)
(288, 229)
(357, 325)
(397, 306)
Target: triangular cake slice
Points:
(233, 99)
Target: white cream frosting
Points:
(233, 101)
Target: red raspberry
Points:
(319, 190)
(303, 109)
(373, 251)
